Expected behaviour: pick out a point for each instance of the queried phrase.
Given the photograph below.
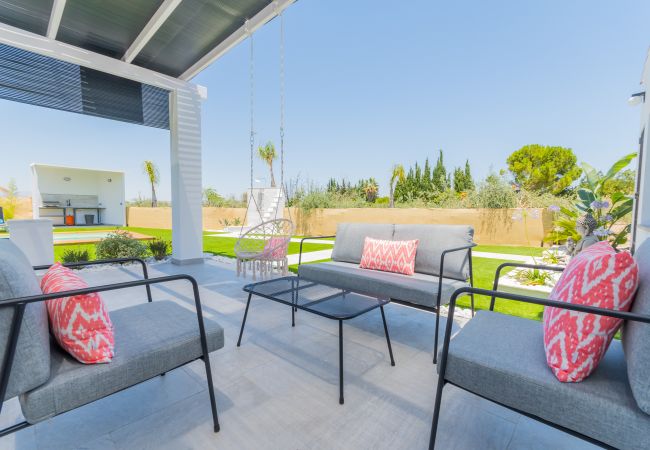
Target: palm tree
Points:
(396, 176)
(151, 171)
(267, 154)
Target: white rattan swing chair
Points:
(263, 249)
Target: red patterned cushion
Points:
(575, 342)
(389, 256)
(276, 248)
(80, 324)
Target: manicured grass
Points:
(510, 250)
(222, 246)
(484, 270)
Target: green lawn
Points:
(484, 268)
(510, 250)
(217, 245)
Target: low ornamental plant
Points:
(120, 244)
(609, 211)
(159, 249)
(73, 256)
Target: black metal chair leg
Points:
(341, 400)
(435, 345)
(436, 413)
(472, 300)
(248, 303)
(390, 348)
(213, 401)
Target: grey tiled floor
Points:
(279, 390)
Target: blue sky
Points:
(374, 83)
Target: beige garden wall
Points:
(213, 218)
(492, 226)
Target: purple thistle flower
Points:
(601, 232)
(554, 208)
(608, 218)
(599, 205)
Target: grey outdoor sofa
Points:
(443, 249)
(151, 339)
(501, 358)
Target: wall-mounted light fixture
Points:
(67, 179)
(636, 99)
(110, 180)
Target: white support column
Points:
(185, 133)
(643, 217)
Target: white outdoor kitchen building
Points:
(78, 196)
(130, 60)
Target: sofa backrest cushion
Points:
(636, 335)
(31, 365)
(350, 238)
(434, 239)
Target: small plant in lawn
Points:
(225, 222)
(72, 256)
(236, 221)
(552, 257)
(120, 244)
(159, 248)
(533, 277)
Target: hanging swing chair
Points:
(263, 248)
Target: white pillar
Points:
(643, 217)
(185, 132)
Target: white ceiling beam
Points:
(55, 18)
(254, 23)
(156, 21)
(42, 45)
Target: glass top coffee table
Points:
(320, 299)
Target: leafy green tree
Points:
(624, 182)
(439, 176)
(469, 181)
(268, 154)
(212, 198)
(544, 168)
(396, 177)
(10, 201)
(151, 171)
(463, 181)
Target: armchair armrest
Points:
(497, 275)
(442, 266)
(145, 272)
(310, 238)
(20, 303)
(527, 299)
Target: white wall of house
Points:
(643, 218)
(83, 188)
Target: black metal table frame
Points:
(295, 307)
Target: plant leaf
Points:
(591, 175)
(618, 166)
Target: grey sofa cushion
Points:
(636, 335)
(502, 358)
(150, 338)
(31, 366)
(419, 288)
(350, 237)
(434, 239)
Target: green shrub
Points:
(494, 192)
(120, 244)
(159, 248)
(382, 201)
(72, 256)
